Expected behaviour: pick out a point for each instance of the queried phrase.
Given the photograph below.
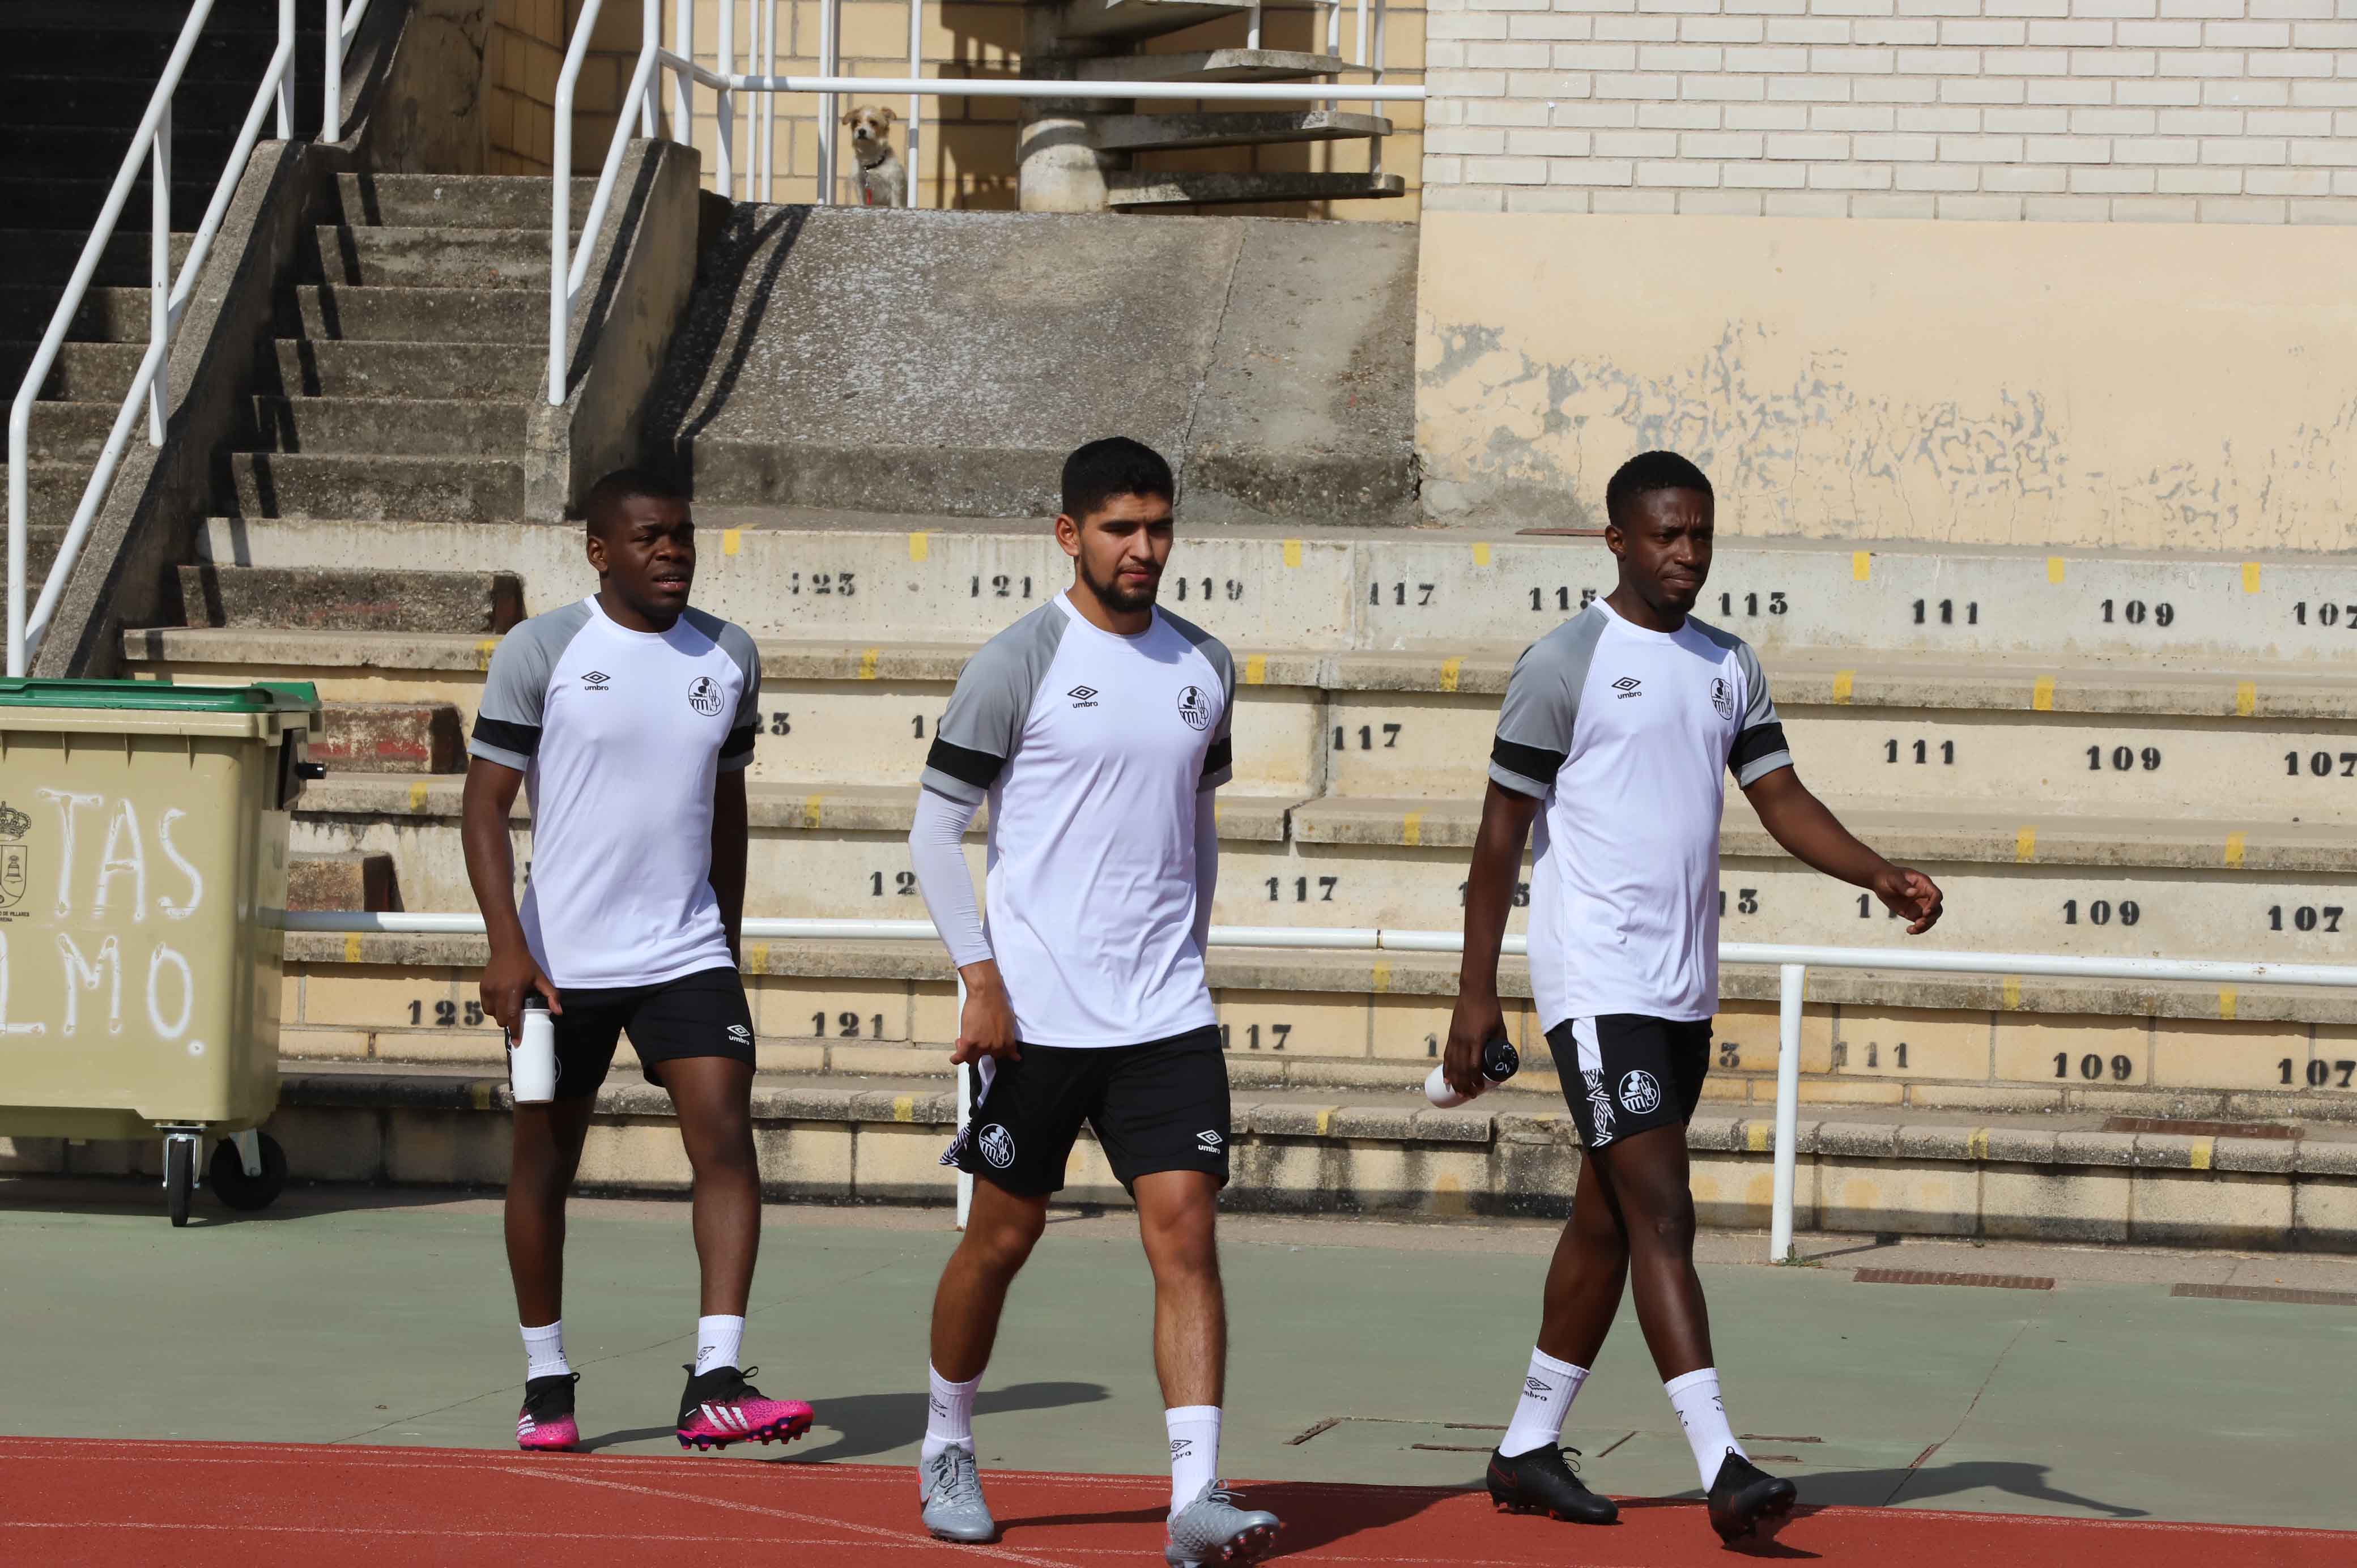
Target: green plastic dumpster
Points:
(142, 885)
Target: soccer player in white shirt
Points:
(631, 718)
(1616, 735)
(1097, 729)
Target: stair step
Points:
(453, 258)
(117, 101)
(79, 152)
(50, 255)
(52, 490)
(353, 880)
(107, 315)
(231, 48)
(390, 737)
(1134, 18)
(439, 371)
(1143, 133)
(433, 489)
(71, 431)
(82, 373)
(473, 317)
(1209, 65)
(458, 427)
(67, 200)
(1150, 187)
(351, 599)
(456, 201)
(41, 543)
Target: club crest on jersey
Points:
(1722, 697)
(997, 1146)
(1195, 707)
(1641, 1092)
(704, 696)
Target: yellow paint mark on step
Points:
(1449, 671)
(757, 958)
(417, 796)
(2042, 695)
(484, 1092)
(1326, 1121)
(1845, 683)
(1256, 669)
(2228, 1000)
(904, 1108)
(1380, 977)
(920, 545)
(1293, 552)
(2199, 1156)
(1861, 565)
(813, 806)
(1481, 552)
(2235, 843)
(483, 652)
(1412, 828)
(731, 541)
(2025, 845)
(2250, 577)
(1976, 1145)
(1754, 1136)
(2247, 698)
(2054, 568)
(868, 657)
(2012, 993)
(352, 948)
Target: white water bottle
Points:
(1499, 1061)
(532, 1054)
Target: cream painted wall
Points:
(2184, 387)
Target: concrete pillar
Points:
(1060, 168)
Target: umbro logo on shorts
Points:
(595, 681)
(1083, 696)
(1627, 686)
(1208, 1140)
(1641, 1092)
(997, 1145)
(739, 1032)
(704, 696)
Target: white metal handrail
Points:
(151, 143)
(1792, 964)
(568, 268)
(342, 26)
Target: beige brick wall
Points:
(2175, 111)
(966, 157)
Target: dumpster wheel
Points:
(241, 1191)
(179, 1175)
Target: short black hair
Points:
(602, 506)
(1115, 465)
(1645, 473)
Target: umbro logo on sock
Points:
(1536, 1389)
(1083, 696)
(1178, 1447)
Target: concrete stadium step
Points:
(1430, 590)
(82, 373)
(63, 431)
(1869, 1172)
(456, 201)
(455, 258)
(42, 542)
(78, 151)
(471, 317)
(116, 103)
(231, 48)
(1209, 65)
(1150, 133)
(328, 485)
(1101, 19)
(486, 603)
(105, 315)
(408, 370)
(393, 427)
(1213, 187)
(1996, 1045)
(28, 254)
(52, 491)
(389, 737)
(346, 882)
(68, 199)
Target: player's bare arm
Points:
(1489, 895)
(731, 830)
(491, 868)
(986, 1023)
(1812, 834)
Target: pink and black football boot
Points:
(723, 1407)
(544, 1425)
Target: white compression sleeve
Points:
(937, 849)
(1207, 866)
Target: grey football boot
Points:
(1212, 1529)
(953, 1507)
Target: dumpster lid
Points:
(261, 697)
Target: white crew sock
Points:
(543, 1350)
(948, 1418)
(719, 1341)
(1548, 1388)
(1695, 1399)
(1194, 1450)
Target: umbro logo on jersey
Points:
(1195, 707)
(704, 696)
(595, 681)
(1083, 696)
(1627, 686)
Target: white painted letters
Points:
(81, 973)
(113, 863)
(180, 863)
(5, 1026)
(66, 803)
(155, 963)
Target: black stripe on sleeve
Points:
(1220, 758)
(739, 743)
(975, 768)
(521, 739)
(1532, 762)
(1758, 741)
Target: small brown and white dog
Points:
(882, 181)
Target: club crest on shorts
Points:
(704, 696)
(997, 1146)
(1195, 707)
(1722, 697)
(1641, 1092)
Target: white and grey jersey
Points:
(1627, 736)
(1091, 749)
(620, 736)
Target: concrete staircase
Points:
(1104, 40)
(74, 80)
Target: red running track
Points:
(236, 1505)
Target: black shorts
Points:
(1625, 1073)
(1162, 1106)
(699, 1014)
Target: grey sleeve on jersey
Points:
(516, 689)
(1535, 723)
(989, 707)
(1220, 761)
(736, 751)
(1759, 749)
